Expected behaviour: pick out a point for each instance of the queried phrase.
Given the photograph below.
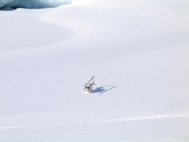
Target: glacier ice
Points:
(12, 4)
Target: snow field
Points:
(138, 52)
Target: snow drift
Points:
(12, 4)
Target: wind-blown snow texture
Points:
(138, 51)
(4, 4)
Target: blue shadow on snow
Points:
(103, 89)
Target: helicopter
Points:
(88, 87)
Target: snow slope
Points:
(138, 51)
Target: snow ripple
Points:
(139, 118)
(9, 127)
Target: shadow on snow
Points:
(103, 89)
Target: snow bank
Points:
(9, 4)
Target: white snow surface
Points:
(138, 51)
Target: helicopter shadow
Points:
(103, 89)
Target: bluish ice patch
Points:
(31, 4)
